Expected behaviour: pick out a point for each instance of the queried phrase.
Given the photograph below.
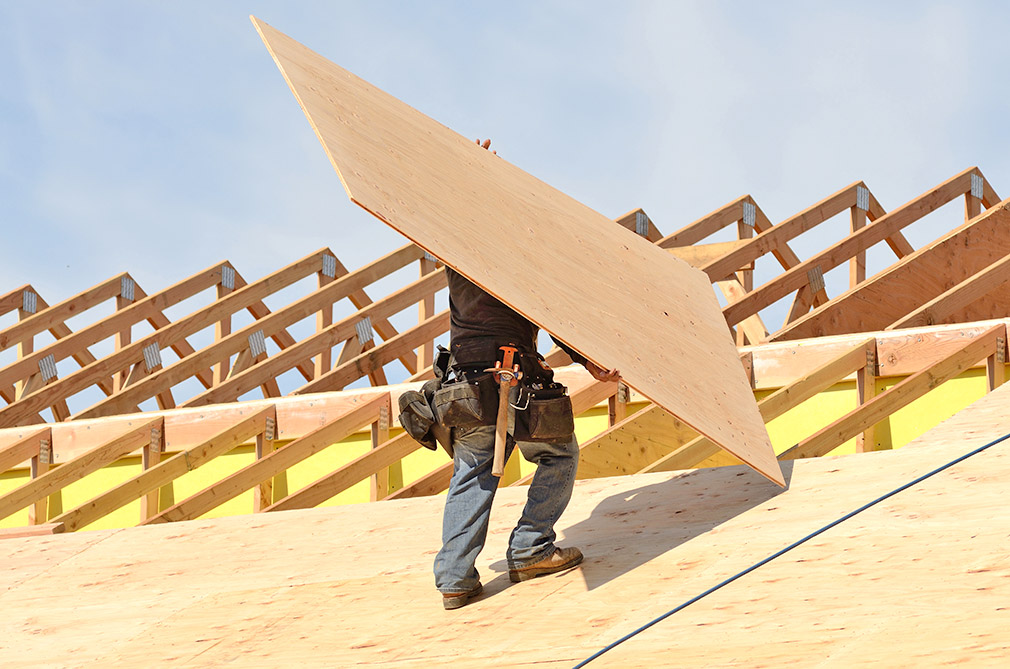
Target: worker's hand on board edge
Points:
(486, 145)
(601, 374)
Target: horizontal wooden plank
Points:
(272, 464)
(84, 464)
(772, 406)
(896, 397)
(165, 471)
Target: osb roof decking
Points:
(919, 579)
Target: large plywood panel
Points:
(609, 293)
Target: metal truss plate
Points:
(816, 278)
(329, 265)
(157, 443)
(126, 288)
(430, 258)
(257, 343)
(29, 301)
(977, 185)
(228, 277)
(152, 356)
(47, 367)
(364, 330)
(642, 223)
(749, 214)
(45, 452)
(862, 198)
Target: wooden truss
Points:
(287, 431)
(955, 279)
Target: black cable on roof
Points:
(789, 548)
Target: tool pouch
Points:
(468, 402)
(416, 416)
(548, 415)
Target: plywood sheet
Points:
(607, 292)
(922, 576)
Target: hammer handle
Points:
(501, 427)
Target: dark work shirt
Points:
(476, 314)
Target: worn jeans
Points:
(468, 505)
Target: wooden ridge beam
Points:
(367, 362)
(273, 463)
(795, 278)
(259, 422)
(87, 463)
(772, 406)
(277, 364)
(900, 395)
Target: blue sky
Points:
(160, 139)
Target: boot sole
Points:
(460, 600)
(519, 575)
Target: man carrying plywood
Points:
(540, 423)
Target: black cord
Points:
(789, 548)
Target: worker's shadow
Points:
(628, 529)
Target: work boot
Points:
(560, 560)
(454, 600)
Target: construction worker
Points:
(480, 326)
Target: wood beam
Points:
(273, 463)
(959, 297)
(772, 406)
(706, 225)
(900, 395)
(62, 476)
(277, 364)
(167, 470)
(373, 359)
(833, 256)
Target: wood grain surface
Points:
(919, 580)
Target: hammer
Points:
(507, 374)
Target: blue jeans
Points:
(468, 505)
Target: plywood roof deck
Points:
(922, 578)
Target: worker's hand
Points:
(486, 145)
(601, 374)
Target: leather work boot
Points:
(560, 560)
(454, 600)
